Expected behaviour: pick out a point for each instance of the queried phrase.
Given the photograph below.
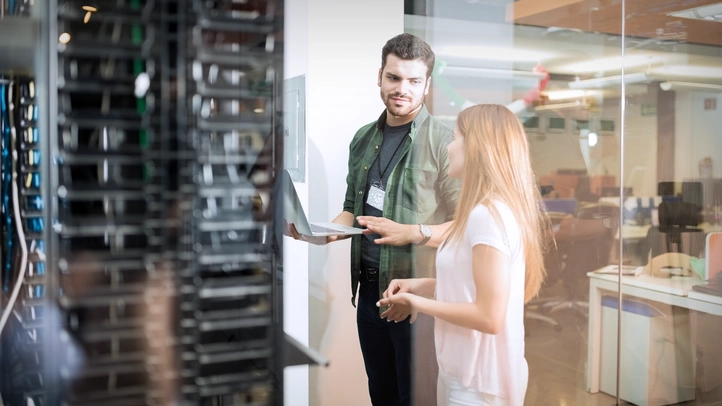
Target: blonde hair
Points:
(497, 166)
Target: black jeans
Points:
(386, 348)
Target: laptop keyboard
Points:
(319, 229)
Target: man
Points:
(398, 188)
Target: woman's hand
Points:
(401, 305)
(401, 286)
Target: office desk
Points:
(675, 291)
(632, 232)
(633, 235)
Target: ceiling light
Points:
(260, 106)
(575, 104)
(687, 70)
(712, 12)
(592, 138)
(676, 85)
(64, 38)
(87, 17)
(90, 9)
(488, 72)
(567, 94)
(612, 64)
(598, 83)
(491, 53)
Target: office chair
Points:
(677, 230)
(581, 256)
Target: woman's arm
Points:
(487, 313)
(416, 286)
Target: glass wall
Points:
(670, 351)
(626, 144)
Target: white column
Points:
(342, 43)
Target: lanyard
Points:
(378, 159)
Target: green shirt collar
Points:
(420, 118)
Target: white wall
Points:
(342, 44)
(640, 144)
(640, 141)
(345, 41)
(552, 151)
(295, 293)
(698, 133)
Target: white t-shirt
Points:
(488, 363)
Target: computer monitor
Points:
(687, 192)
(555, 125)
(711, 191)
(568, 206)
(532, 124)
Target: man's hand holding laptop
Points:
(293, 233)
(391, 233)
(345, 219)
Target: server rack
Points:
(148, 139)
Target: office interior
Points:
(628, 125)
(144, 243)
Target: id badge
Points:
(376, 196)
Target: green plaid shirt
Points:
(418, 190)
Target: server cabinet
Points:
(141, 142)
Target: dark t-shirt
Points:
(379, 172)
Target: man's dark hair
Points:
(409, 47)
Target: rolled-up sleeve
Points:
(448, 187)
(351, 192)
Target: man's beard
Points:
(400, 111)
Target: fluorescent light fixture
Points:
(260, 106)
(711, 12)
(557, 106)
(612, 64)
(507, 54)
(676, 85)
(690, 70)
(489, 73)
(64, 38)
(592, 138)
(598, 83)
(567, 94)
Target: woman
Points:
(490, 264)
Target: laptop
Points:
(293, 214)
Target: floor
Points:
(557, 371)
(557, 364)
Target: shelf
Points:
(19, 39)
(298, 354)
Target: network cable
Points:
(7, 163)
(23, 250)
